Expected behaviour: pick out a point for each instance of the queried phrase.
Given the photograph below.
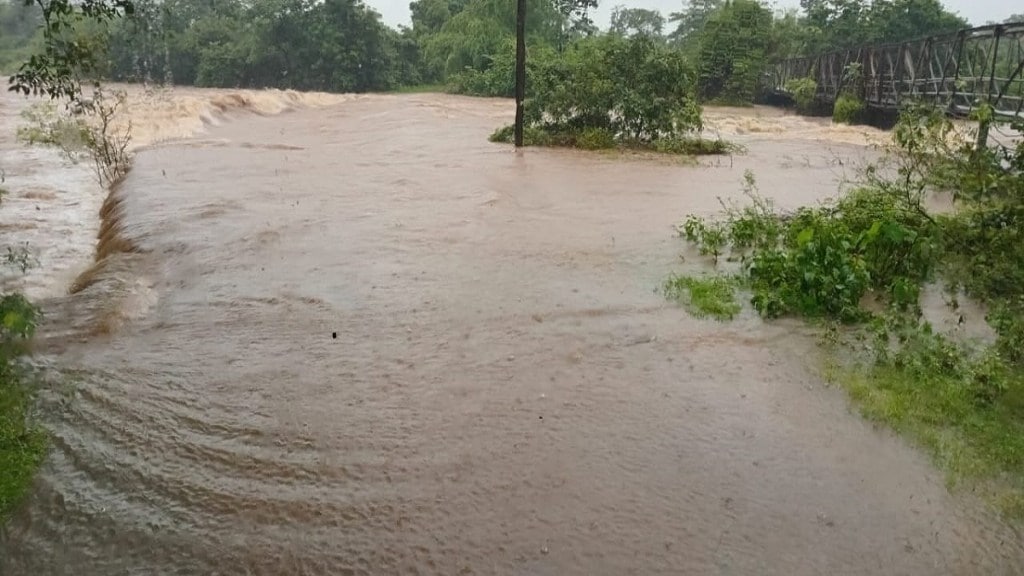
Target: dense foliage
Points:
(336, 45)
(68, 46)
(633, 87)
(837, 24)
(611, 90)
(733, 52)
(18, 34)
(22, 444)
(634, 21)
(342, 45)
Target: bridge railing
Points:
(956, 71)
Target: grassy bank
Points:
(22, 443)
(979, 444)
(858, 267)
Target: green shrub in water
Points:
(595, 139)
(713, 296)
(803, 91)
(848, 109)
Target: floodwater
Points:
(357, 338)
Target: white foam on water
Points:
(52, 204)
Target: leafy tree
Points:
(429, 16)
(834, 24)
(637, 21)
(20, 33)
(733, 52)
(56, 71)
(634, 88)
(353, 54)
(789, 37)
(471, 39)
(691, 20)
(840, 24)
(896, 20)
(406, 57)
(575, 20)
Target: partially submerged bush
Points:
(635, 88)
(595, 139)
(706, 297)
(848, 109)
(22, 444)
(803, 91)
(610, 92)
(695, 146)
(88, 129)
(821, 262)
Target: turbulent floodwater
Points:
(357, 338)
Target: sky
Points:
(977, 12)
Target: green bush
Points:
(532, 136)
(595, 139)
(609, 92)
(734, 46)
(705, 297)
(820, 262)
(22, 444)
(635, 88)
(803, 91)
(496, 76)
(848, 109)
(694, 146)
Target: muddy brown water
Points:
(360, 339)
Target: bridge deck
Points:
(956, 71)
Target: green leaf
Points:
(805, 236)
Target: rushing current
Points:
(348, 335)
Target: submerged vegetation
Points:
(22, 442)
(612, 92)
(705, 297)
(98, 137)
(863, 261)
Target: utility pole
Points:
(520, 69)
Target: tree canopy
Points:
(343, 45)
(637, 21)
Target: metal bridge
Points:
(956, 71)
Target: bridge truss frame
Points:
(957, 71)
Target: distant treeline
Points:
(342, 45)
